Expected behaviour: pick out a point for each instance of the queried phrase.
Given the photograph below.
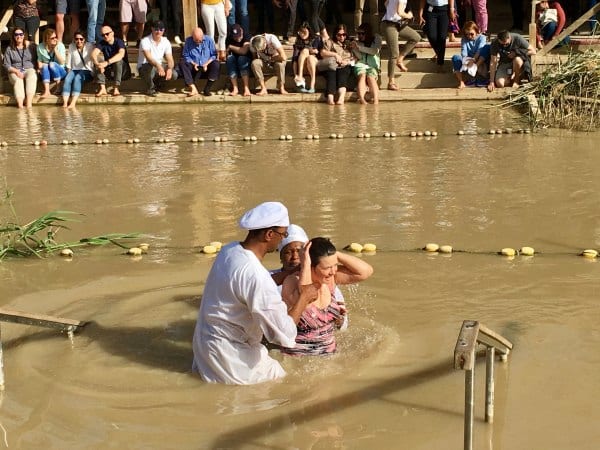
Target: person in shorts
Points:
(62, 7)
(508, 52)
(133, 11)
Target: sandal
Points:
(392, 86)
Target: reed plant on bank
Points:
(39, 237)
(565, 96)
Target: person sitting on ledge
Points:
(110, 60)
(199, 60)
(268, 53)
(471, 65)
(51, 55)
(238, 59)
(80, 65)
(305, 57)
(508, 52)
(155, 48)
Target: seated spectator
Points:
(133, 10)
(27, 17)
(199, 60)
(305, 57)
(80, 65)
(238, 59)
(111, 61)
(20, 60)
(366, 52)
(155, 59)
(268, 54)
(472, 63)
(509, 53)
(550, 21)
(395, 27)
(336, 62)
(51, 58)
(62, 6)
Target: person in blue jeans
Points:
(239, 9)
(238, 59)
(80, 65)
(51, 56)
(96, 12)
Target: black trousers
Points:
(436, 29)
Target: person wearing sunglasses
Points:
(395, 28)
(305, 58)
(20, 61)
(471, 66)
(366, 69)
(336, 64)
(111, 61)
(51, 58)
(241, 304)
(80, 66)
(155, 59)
(323, 266)
(27, 17)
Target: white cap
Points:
(295, 234)
(265, 215)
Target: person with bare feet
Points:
(366, 51)
(395, 27)
(199, 60)
(51, 55)
(508, 53)
(336, 63)
(20, 60)
(471, 66)
(80, 65)
(155, 48)
(268, 54)
(238, 59)
(110, 60)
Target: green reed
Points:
(39, 237)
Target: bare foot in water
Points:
(247, 92)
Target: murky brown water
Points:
(125, 381)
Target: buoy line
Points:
(416, 134)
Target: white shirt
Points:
(391, 11)
(157, 50)
(240, 303)
(74, 61)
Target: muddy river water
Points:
(125, 381)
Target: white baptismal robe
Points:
(240, 303)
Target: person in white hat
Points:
(241, 303)
(289, 252)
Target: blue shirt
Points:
(199, 53)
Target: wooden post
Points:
(489, 384)
(190, 17)
(469, 382)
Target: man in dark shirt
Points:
(509, 51)
(110, 60)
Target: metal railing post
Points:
(469, 408)
(489, 384)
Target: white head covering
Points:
(295, 234)
(265, 215)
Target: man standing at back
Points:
(241, 303)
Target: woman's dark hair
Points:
(81, 33)
(319, 248)
(337, 29)
(368, 30)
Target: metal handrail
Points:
(471, 334)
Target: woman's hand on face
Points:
(305, 255)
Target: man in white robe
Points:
(241, 303)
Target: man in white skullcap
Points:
(241, 303)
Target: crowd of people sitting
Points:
(345, 60)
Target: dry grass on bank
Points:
(568, 95)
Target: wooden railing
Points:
(62, 324)
(471, 334)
